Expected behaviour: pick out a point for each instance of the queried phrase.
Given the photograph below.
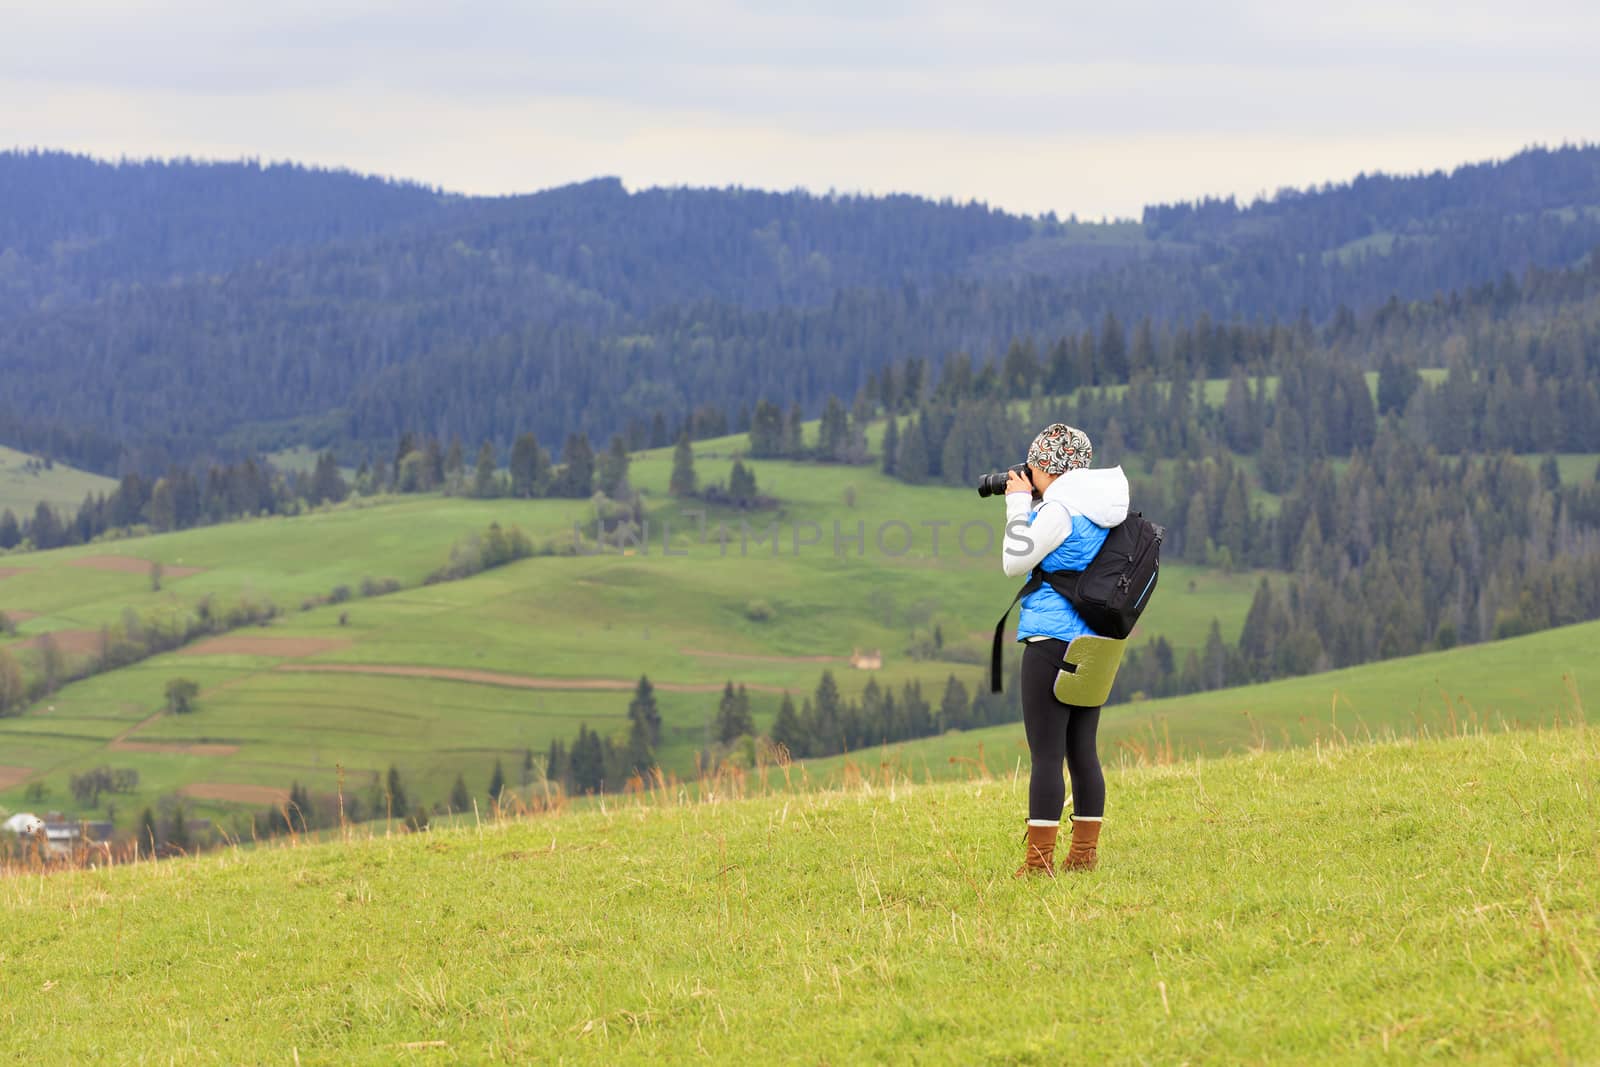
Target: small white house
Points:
(60, 837)
(23, 824)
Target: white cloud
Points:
(1071, 107)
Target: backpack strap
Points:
(1035, 581)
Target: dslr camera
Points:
(995, 484)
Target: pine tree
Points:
(497, 782)
(911, 461)
(433, 465)
(588, 761)
(794, 434)
(149, 832)
(483, 481)
(46, 531)
(888, 391)
(742, 485)
(639, 756)
(460, 799)
(911, 381)
(834, 435)
(455, 465)
(1143, 357)
(395, 799)
(1112, 356)
(557, 768)
(10, 531)
(530, 467)
(1397, 382)
(786, 728)
(683, 483)
(575, 480)
(1273, 462)
(733, 715)
(1196, 530)
(1259, 636)
(891, 444)
(1021, 368)
(766, 430)
(827, 738)
(613, 472)
(178, 839)
(643, 710)
(746, 720)
(954, 707)
(1238, 414)
(1233, 526)
(327, 483)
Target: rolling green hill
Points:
(444, 679)
(25, 481)
(1414, 900)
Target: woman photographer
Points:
(1057, 516)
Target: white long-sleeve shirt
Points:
(1099, 495)
(1026, 544)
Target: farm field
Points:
(1444, 888)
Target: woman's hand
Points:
(1016, 483)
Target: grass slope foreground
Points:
(1345, 903)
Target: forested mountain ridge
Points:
(1329, 216)
(73, 228)
(163, 311)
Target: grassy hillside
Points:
(1356, 902)
(24, 481)
(551, 641)
(1538, 679)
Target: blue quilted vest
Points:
(1045, 612)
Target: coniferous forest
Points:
(161, 313)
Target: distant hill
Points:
(181, 308)
(74, 228)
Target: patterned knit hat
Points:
(1060, 448)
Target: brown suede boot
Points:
(1085, 838)
(1040, 858)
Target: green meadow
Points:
(445, 679)
(551, 642)
(24, 483)
(1348, 903)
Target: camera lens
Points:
(992, 484)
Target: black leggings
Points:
(1058, 732)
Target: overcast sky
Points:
(1071, 107)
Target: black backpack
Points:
(1110, 594)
